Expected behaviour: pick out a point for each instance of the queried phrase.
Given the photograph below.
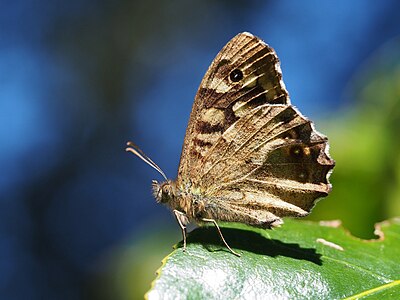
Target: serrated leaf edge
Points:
(158, 271)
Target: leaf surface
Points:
(300, 260)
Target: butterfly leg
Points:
(182, 221)
(220, 234)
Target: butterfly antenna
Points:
(139, 153)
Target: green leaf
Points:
(300, 260)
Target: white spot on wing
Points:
(220, 86)
(248, 34)
(213, 116)
(278, 67)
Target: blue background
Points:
(80, 78)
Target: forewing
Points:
(218, 95)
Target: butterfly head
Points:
(164, 192)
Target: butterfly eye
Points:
(236, 75)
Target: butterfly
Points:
(248, 155)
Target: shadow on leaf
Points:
(252, 242)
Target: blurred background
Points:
(80, 78)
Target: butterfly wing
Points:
(281, 166)
(251, 154)
(212, 111)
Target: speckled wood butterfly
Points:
(248, 156)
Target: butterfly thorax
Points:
(184, 198)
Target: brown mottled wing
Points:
(271, 159)
(251, 154)
(212, 111)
